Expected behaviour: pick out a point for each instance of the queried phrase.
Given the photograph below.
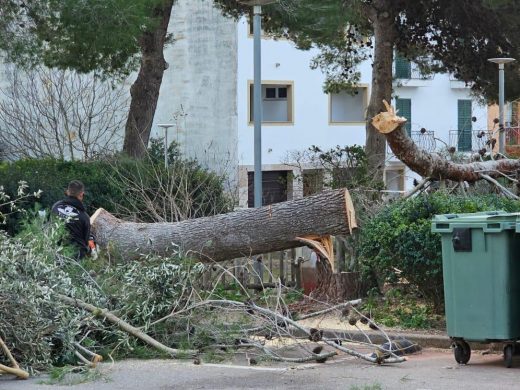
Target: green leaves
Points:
(85, 35)
(400, 237)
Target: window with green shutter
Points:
(514, 114)
(464, 125)
(403, 68)
(404, 108)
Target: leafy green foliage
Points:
(120, 185)
(403, 310)
(374, 386)
(52, 178)
(72, 375)
(454, 36)
(41, 330)
(399, 237)
(30, 318)
(151, 289)
(94, 35)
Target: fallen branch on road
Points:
(124, 326)
(15, 370)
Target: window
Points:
(404, 108)
(403, 68)
(464, 125)
(277, 102)
(348, 106)
(274, 187)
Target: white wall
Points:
(281, 61)
(434, 104)
(198, 92)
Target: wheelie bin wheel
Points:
(508, 355)
(462, 351)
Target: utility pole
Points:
(501, 94)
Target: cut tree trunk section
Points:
(241, 233)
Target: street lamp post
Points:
(257, 96)
(165, 126)
(501, 93)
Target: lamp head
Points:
(256, 2)
(501, 60)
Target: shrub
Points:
(400, 237)
(52, 177)
(42, 331)
(141, 190)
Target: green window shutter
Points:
(403, 68)
(464, 125)
(514, 114)
(404, 108)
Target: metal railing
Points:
(472, 140)
(513, 135)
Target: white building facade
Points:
(207, 94)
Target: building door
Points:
(274, 187)
(464, 125)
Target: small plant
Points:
(294, 295)
(72, 375)
(397, 309)
(375, 386)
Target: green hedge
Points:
(107, 184)
(52, 177)
(400, 237)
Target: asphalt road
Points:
(431, 369)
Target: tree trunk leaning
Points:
(238, 234)
(145, 90)
(380, 13)
(433, 165)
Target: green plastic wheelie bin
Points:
(481, 271)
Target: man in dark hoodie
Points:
(77, 221)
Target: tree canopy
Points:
(441, 35)
(84, 35)
(100, 36)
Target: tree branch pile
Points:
(69, 313)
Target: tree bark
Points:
(384, 37)
(145, 90)
(432, 165)
(241, 233)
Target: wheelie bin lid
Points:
(488, 221)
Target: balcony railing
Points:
(512, 147)
(472, 140)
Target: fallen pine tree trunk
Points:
(241, 233)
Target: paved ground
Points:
(431, 369)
